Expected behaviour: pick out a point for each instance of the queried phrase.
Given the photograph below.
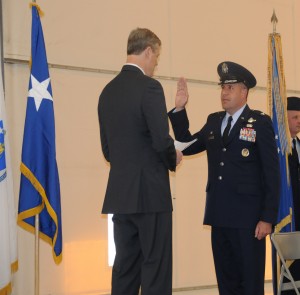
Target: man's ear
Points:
(245, 90)
(148, 51)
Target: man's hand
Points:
(182, 94)
(262, 229)
(178, 157)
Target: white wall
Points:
(197, 35)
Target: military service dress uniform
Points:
(294, 168)
(242, 188)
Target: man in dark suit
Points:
(293, 112)
(135, 140)
(243, 179)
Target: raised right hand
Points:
(182, 94)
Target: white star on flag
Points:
(39, 91)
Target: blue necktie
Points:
(226, 130)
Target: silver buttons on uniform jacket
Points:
(221, 177)
(222, 164)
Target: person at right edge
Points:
(293, 113)
(242, 193)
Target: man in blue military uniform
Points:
(243, 179)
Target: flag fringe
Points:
(6, 290)
(284, 221)
(40, 12)
(282, 85)
(37, 210)
(14, 266)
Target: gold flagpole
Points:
(274, 20)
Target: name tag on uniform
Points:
(248, 134)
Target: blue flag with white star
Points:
(39, 187)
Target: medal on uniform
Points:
(245, 152)
(248, 134)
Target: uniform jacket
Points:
(294, 168)
(243, 176)
(135, 140)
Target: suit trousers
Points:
(239, 261)
(143, 254)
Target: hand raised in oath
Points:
(182, 94)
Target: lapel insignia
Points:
(211, 135)
(249, 125)
(248, 134)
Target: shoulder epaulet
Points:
(259, 115)
(257, 112)
(219, 113)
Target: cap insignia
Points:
(224, 68)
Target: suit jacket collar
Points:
(132, 68)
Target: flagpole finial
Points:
(274, 20)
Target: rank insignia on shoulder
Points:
(251, 120)
(248, 134)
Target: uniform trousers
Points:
(239, 261)
(143, 254)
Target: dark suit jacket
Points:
(294, 168)
(243, 176)
(135, 140)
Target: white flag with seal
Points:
(8, 221)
